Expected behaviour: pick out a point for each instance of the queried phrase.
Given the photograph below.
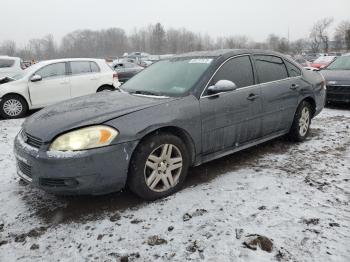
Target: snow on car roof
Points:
(222, 52)
(70, 59)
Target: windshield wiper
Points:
(144, 92)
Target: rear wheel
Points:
(158, 167)
(301, 123)
(13, 106)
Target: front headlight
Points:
(84, 138)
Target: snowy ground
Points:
(295, 194)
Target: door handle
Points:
(252, 97)
(294, 86)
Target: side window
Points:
(54, 70)
(80, 67)
(94, 67)
(270, 68)
(293, 70)
(5, 63)
(238, 70)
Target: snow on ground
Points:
(297, 195)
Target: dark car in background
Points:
(126, 70)
(337, 76)
(179, 112)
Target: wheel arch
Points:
(177, 131)
(17, 94)
(312, 102)
(105, 86)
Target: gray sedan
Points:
(177, 113)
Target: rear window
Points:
(293, 70)
(5, 63)
(83, 67)
(94, 67)
(270, 68)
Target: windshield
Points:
(174, 77)
(27, 71)
(341, 63)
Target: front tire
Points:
(158, 167)
(301, 123)
(13, 106)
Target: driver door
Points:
(233, 118)
(53, 87)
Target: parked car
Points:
(9, 66)
(52, 81)
(322, 61)
(337, 76)
(126, 70)
(179, 112)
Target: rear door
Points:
(85, 77)
(54, 86)
(233, 118)
(279, 93)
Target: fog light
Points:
(71, 182)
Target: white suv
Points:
(52, 81)
(9, 66)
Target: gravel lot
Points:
(296, 195)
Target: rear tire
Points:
(13, 106)
(158, 167)
(301, 123)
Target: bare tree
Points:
(319, 35)
(299, 45)
(347, 40)
(8, 47)
(340, 35)
(273, 42)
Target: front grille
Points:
(31, 140)
(338, 93)
(24, 168)
(338, 89)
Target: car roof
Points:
(9, 57)
(70, 60)
(226, 52)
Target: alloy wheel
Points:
(163, 168)
(304, 121)
(12, 107)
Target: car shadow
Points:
(87, 208)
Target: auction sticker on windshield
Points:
(200, 61)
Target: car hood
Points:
(84, 111)
(341, 77)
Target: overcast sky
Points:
(21, 20)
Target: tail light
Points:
(115, 76)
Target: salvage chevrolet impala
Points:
(177, 113)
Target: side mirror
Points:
(36, 78)
(222, 86)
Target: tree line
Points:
(155, 39)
